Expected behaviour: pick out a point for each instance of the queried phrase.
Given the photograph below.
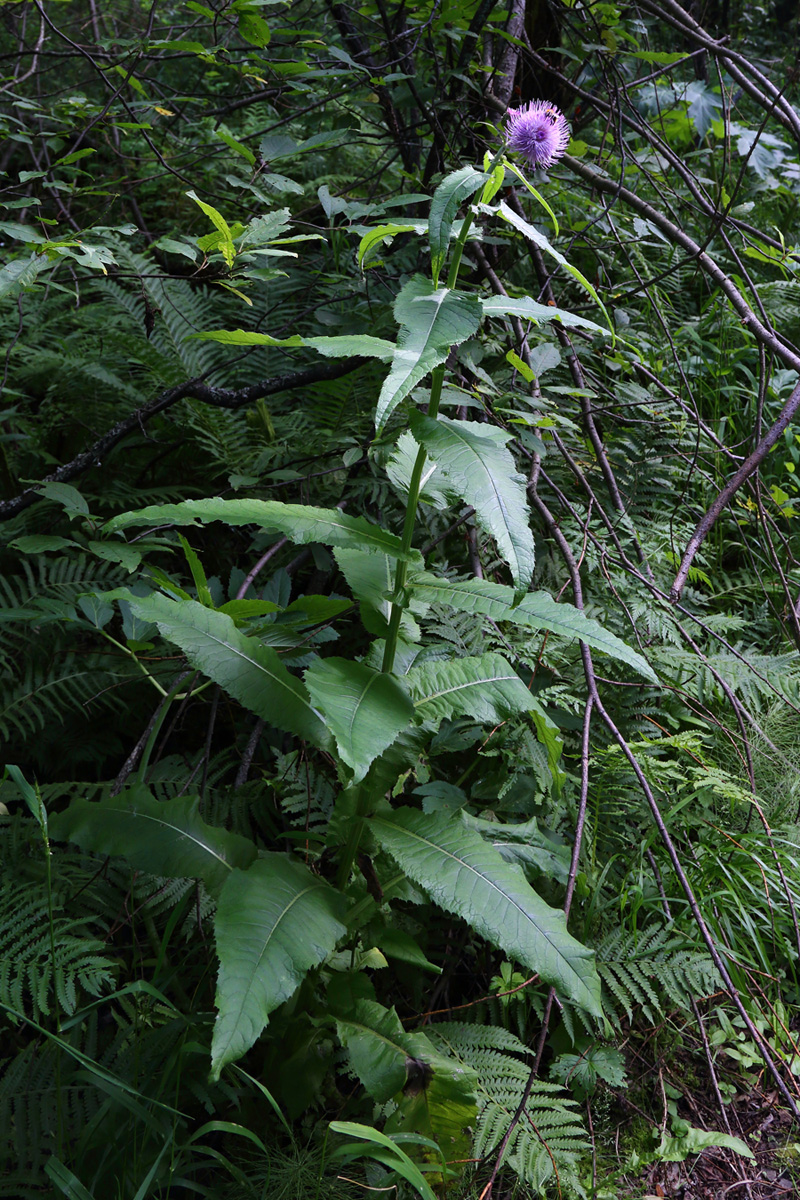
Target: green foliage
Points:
(341, 650)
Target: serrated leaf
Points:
(447, 199)
(431, 322)
(245, 668)
(477, 465)
(537, 610)
(274, 923)
(166, 837)
(526, 844)
(301, 523)
(466, 876)
(484, 687)
(529, 309)
(364, 709)
(400, 466)
(20, 274)
(678, 1149)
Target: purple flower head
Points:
(539, 131)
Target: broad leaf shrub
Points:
(360, 764)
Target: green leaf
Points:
(431, 322)
(364, 709)
(249, 671)
(477, 465)
(226, 245)
(385, 1152)
(41, 543)
(370, 578)
(466, 876)
(254, 29)
(301, 523)
(447, 200)
(389, 1061)
(357, 345)
(67, 1183)
(166, 837)
(529, 309)
(273, 924)
(237, 147)
(526, 844)
(537, 610)
(378, 236)
(20, 275)
(678, 1149)
(484, 687)
(542, 242)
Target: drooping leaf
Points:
(537, 610)
(468, 877)
(245, 668)
(301, 523)
(166, 837)
(380, 235)
(447, 199)
(431, 320)
(381, 1149)
(529, 309)
(274, 923)
(364, 709)
(543, 243)
(478, 467)
(347, 345)
(225, 240)
(484, 687)
(695, 1141)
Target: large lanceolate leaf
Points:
(484, 687)
(529, 309)
(301, 523)
(249, 671)
(478, 466)
(431, 321)
(364, 709)
(537, 610)
(468, 877)
(447, 199)
(274, 923)
(166, 837)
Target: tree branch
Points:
(193, 389)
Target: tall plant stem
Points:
(415, 483)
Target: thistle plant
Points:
(282, 917)
(539, 131)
